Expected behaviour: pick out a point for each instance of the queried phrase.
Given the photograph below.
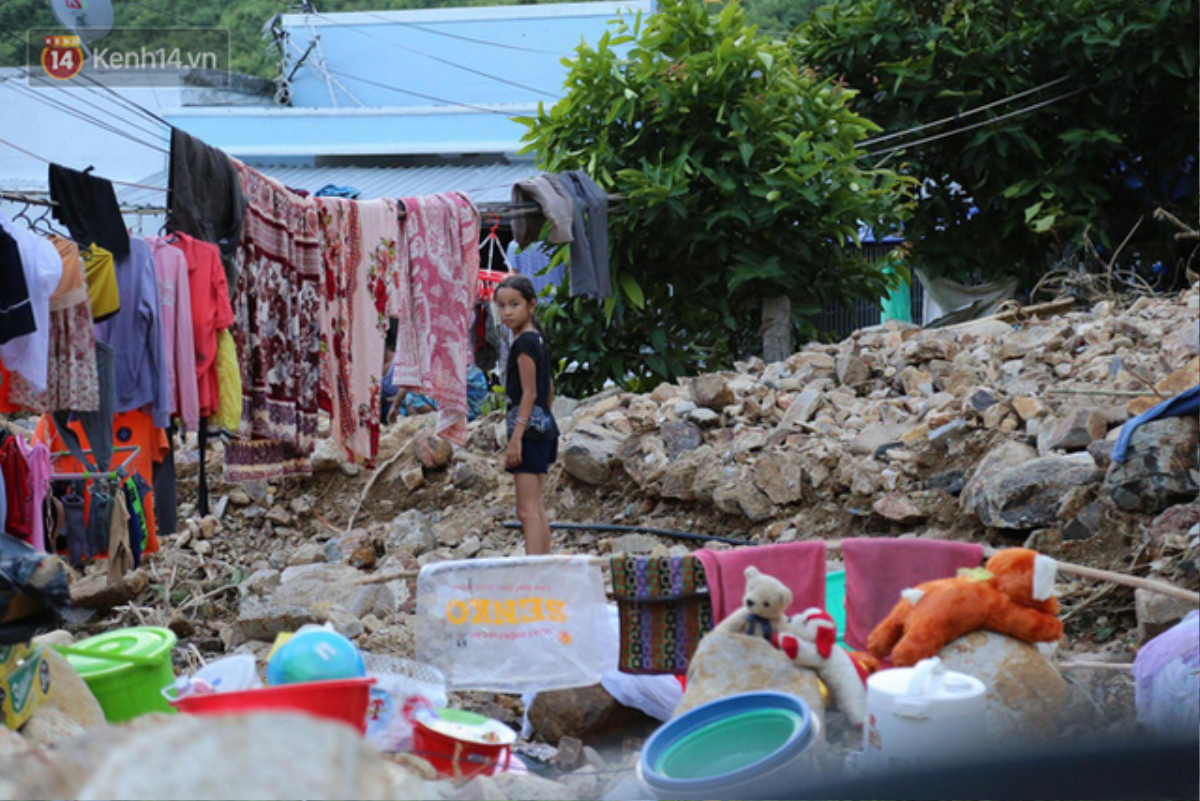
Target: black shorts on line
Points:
(536, 456)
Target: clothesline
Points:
(34, 200)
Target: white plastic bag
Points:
(1167, 675)
(400, 686)
(512, 625)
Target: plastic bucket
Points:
(835, 602)
(342, 700)
(450, 740)
(126, 670)
(745, 746)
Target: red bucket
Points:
(343, 700)
(458, 757)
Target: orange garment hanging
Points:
(135, 428)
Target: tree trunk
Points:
(776, 328)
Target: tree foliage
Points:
(742, 180)
(1003, 197)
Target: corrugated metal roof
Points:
(488, 183)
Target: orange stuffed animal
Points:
(1013, 595)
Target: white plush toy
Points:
(810, 640)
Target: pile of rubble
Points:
(988, 431)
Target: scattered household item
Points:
(461, 744)
(24, 683)
(515, 624)
(835, 601)
(231, 674)
(126, 670)
(657, 696)
(664, 611)
(810, 640)
(922, 715)
(761, 613)
(33, 591)
(315, 654)
(877, 569)
(799, 565)
(745, 746)
(400, 684)
(344, 701)
(1013, 595)
(1168, 694)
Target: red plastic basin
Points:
(343, 700)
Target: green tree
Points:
(741, 180)
(1004, 197)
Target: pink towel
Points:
(799, 565)
(878, 569)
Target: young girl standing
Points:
(532, 431)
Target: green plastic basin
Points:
(729, 744)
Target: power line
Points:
(358, 29)
(961, 115)
(83, 116)
(448, 35)
(973, 126)
(31, 154)
(432, 98)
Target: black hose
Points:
(662, 532)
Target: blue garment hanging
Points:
(1185, 403)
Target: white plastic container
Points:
(231, 674)
(922, 715)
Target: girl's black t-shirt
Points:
(531, 344)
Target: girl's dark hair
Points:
(524, 285)
(521, 283)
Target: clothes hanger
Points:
(491, 244)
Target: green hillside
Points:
(245, 20)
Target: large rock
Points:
(434, 452)
(1029, 496)
(781, 476)
(644, 459)
(1009, 454)
(1025, 692)
(260, 619)
(69, 710)
(727, 664)
(307, 585)
(852, 371)
(803, 407)
(94, 592)
(681, 438)
(222, 757)
(712, 392)
(1160, 468)
(589, 714)
(413, 532)
(590, 452)
(1080, 428)
(1157, 612)
(740, 497)
(1175, 521)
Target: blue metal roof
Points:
(443, 57)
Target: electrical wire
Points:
(41, 158)
(29, 153)
(129, 104)
(358, 29)
(973, 126)
(432, 98)
(448, 35)
(960, 115)
(65, 108)
(104, 110)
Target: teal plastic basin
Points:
(729, 744)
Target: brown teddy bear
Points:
(1013, 595)
(763, 608)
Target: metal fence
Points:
(837, 322)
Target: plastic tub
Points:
(126, 670)
(835, 601)
(745, 746)
(343, 700)
(461, 744)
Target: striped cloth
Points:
(664, 611)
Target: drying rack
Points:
(119, 472)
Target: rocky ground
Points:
(991, 431)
